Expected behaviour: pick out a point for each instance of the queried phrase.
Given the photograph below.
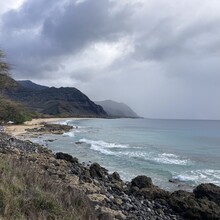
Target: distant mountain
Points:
(65, 102)
(117, 109)
(30, 85)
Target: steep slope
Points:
(30, 85)
(117, 109)
(57, 101)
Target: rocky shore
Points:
(110, 197)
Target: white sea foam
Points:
(183, 178)
(66, 122)
(158, 158)
(80, 130)
(103, 144)
(103, 147)
(170, 159)
(70, 134)
(200, 176)
(101, 150)
(169, 155)
(164, 158)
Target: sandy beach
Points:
(19, 130)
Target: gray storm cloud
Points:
(160, 56)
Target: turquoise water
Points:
(184, 150)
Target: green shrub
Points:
(25, 194)
(11, 111)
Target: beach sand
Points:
(19, 130)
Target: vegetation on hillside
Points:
(4, 67)
(9, 110)
(27, 196)
(5, 80)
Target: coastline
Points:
(124, 200)
(20, 131)
(17, 130)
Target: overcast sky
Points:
(161, 57)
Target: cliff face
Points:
(56, 101)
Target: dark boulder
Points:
(209, 191)
(85, 175)
(67, 157)
(142, 182)
(105, 216)
(153, 193)
(190, 207)
(133, 189)
(115, 177)
(96, 171)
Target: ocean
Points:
(184, 151)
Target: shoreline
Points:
(29, 131)
(19, 131)
(119, 199)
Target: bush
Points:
(11, 111)
(30, 195)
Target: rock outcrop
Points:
(66, 157)
(208, 191)
(97, 172)
(50, 129)
(191, 207)
(142, 182)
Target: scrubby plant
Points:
(9, 110)
(4, 67)
(28, 197)
(12, 111)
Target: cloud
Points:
(10, 4)
(159, 56)
(40, 33)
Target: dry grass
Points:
(27, 194)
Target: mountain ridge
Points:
(63, 102)
(31, 85)
(117, 109)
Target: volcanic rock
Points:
(67, 157)
(142, 182)
(96, 171)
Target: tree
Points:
(4, 67)
(9, 109)
(5, 80)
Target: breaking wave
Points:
(199, 176)
(109, 149)
(70, 134)
(103, 144)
